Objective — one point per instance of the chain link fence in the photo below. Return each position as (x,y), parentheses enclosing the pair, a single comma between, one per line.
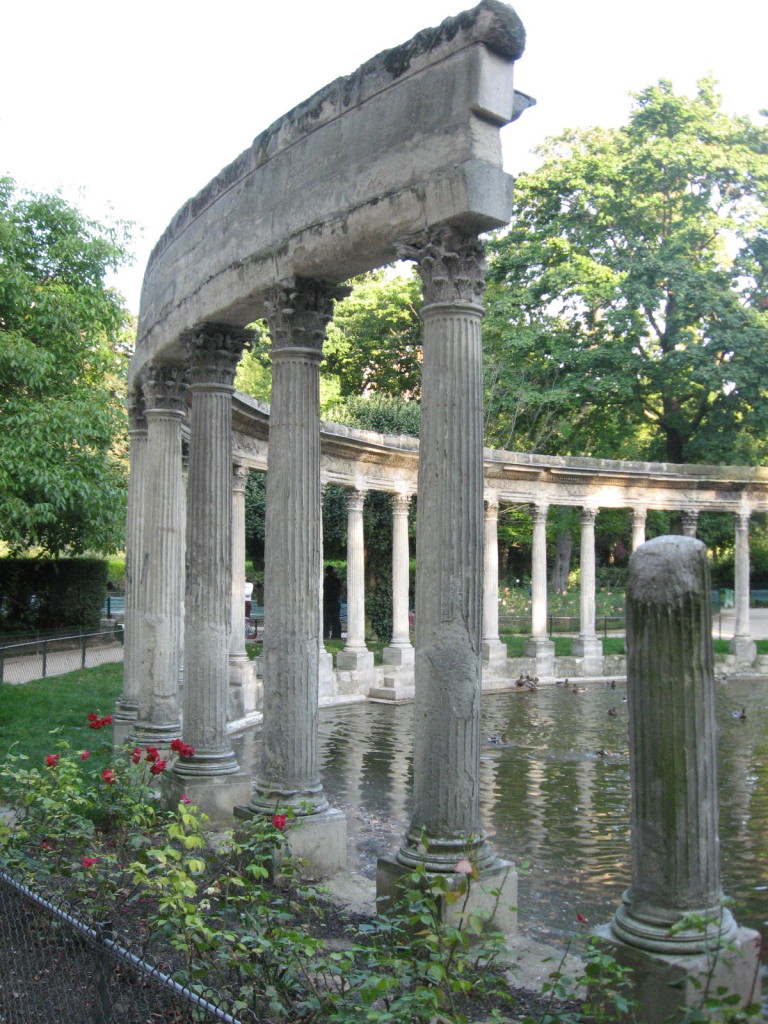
(55,966)
(24,660)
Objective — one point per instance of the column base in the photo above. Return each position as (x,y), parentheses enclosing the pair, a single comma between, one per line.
(317,841)
(395,688)
(215,795)
(147,734)
(355,661)
(494,655)
(492,896)
(399,655)
(542,649)
(242,686)
(663,983)
(123,723)
(326,679)
(744,648)
(590,650)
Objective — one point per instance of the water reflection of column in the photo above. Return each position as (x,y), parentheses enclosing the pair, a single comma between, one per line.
(241,689)
(588,645)
(400,650)
(673,764)
(742,644)
(355,654)
(689,519)
(639,516)
(538,645)
(494,651)
(326,688)
(127,704)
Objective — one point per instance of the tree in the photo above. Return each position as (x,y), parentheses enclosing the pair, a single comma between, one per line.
(63,356)
(627,304)
(373,343)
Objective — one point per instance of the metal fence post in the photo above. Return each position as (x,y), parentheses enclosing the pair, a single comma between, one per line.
(102,1007)
(85,645)
(45,658)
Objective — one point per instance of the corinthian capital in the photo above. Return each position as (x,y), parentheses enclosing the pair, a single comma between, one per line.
(298,314)
(214,350)
(451,265)
(166,387)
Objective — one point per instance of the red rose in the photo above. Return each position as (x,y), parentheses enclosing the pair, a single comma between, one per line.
(176,745)
(51,760)
(85,755)
(136,754)
(152,754)
(158,767)
(88,862)
(279,821)
(109,776)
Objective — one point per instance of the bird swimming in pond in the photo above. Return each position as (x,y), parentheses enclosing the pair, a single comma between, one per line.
(578,689)
(612,712)
(739,714)
(500,741)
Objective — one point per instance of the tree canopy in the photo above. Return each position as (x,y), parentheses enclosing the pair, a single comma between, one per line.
(63,349)
(627,303)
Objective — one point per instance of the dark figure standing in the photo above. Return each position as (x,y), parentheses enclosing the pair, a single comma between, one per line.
(331,605)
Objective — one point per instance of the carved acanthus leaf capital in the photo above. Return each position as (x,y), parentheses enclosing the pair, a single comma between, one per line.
(355,501)
(299,313)
(239,477)
(214,350)
(137,419)
(166,387)
(451,265)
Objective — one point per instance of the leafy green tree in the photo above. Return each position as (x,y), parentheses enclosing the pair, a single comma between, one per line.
(64,344)
(627,304)
(373,343)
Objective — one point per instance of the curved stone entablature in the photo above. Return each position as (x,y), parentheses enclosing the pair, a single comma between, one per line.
(368,460)
(407,142)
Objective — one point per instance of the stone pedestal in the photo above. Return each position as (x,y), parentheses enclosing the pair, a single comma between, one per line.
(543,651)
(672,926)
(493,897)
(396,687)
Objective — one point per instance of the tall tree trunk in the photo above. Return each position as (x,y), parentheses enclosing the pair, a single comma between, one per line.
(562,563)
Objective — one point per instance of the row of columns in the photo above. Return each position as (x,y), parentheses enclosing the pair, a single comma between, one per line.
(173,579)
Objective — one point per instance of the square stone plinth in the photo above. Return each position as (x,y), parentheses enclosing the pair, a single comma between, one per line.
(215,795)
(664,983)
(493,896)
(542,650)
(398,655)
(318,842)
(355,661)
(399,687)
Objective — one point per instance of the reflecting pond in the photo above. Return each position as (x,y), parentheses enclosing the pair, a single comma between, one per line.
(554,797)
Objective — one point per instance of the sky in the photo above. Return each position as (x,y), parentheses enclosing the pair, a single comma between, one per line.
(131,108)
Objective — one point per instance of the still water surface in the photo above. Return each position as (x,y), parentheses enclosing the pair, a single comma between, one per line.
(555,797)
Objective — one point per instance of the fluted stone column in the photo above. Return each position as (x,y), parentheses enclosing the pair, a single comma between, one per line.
(494,651)
(159,713)
(242,689)
(212,778)
(355,655)
(673,768)
(639,517)
(742,644)
(446,821)
(538,645)
(400,649)
(588,645)
(127,705)
(689,519)
(288,775)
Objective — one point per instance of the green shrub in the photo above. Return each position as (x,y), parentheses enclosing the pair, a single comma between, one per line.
(47,594)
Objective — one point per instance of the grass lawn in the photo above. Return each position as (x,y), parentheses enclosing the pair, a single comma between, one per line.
(30,712)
